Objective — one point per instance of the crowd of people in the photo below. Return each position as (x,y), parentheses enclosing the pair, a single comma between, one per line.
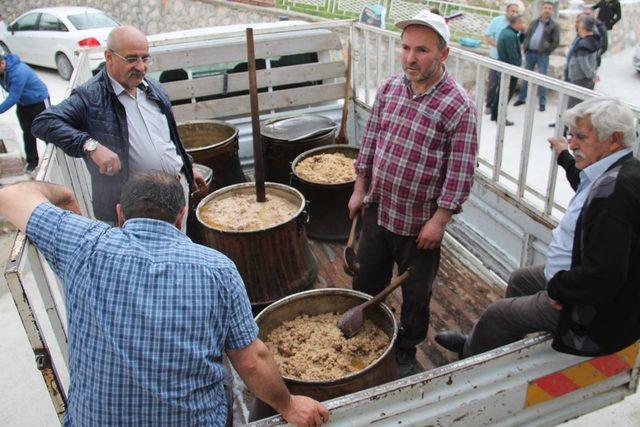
(150,314)
(539,40)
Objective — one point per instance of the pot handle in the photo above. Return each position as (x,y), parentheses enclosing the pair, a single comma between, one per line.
(303,218)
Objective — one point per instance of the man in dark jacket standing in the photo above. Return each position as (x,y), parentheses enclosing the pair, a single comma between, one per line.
(121,123)
(609,12)
(587,292)
(30,96)
(583,59)
(509,52)
(541,38)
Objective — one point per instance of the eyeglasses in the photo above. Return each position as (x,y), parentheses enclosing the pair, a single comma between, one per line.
(146,60)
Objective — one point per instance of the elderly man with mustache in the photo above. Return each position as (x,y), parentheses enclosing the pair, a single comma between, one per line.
(588,292)
(121,123)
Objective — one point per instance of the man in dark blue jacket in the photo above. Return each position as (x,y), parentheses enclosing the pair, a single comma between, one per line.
(121,123)
(30,96)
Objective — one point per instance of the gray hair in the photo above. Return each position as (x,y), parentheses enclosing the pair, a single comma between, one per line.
(152,194)
(588,22)
(513,20)
(510,5)
(607,115)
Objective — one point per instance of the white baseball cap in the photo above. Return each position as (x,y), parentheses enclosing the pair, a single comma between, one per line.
(428,19)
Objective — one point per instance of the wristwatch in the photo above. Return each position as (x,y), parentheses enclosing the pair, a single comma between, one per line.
(89,145)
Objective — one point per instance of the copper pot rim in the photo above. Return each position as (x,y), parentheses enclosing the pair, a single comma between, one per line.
(227,141)
(321,150)
(339,291)
(242,186)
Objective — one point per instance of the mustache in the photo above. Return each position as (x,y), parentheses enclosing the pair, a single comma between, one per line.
(135,73)
(578,153)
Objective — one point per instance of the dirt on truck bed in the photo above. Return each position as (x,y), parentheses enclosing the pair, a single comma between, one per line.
(460,295)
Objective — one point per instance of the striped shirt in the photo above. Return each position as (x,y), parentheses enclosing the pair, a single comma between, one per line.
(149,315)
(418,152)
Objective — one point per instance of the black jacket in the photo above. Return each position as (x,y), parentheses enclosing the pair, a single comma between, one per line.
(600,293)
(568,163)
(609,12)
(93,111)
(550,36)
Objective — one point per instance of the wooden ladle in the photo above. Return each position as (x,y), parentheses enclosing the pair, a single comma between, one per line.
(350,262)
(353,319)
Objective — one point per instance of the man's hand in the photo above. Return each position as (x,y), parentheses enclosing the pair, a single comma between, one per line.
(304,411)
(558,145)
(432,231)
(199,182)
(356,205)
(18,201)
(107,161)
(555,304)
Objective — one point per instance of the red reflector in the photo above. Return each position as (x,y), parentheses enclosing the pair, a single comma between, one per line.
(90,42)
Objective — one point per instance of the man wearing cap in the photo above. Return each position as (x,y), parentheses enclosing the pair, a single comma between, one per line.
(415,169)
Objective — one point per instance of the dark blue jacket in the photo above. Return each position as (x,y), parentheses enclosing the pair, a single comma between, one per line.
(94,111)
(23,85)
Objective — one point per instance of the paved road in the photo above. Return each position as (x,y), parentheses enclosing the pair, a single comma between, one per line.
(23,398)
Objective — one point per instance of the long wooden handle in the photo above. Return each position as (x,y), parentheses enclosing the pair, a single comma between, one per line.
(394,284)
(352,233)
(347,90)
(258,157)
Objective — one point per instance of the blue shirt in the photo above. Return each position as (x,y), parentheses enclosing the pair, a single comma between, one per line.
(498,24)
(536,38)
(149,315)
(560,248)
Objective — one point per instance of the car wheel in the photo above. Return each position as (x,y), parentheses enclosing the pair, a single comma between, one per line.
(65,69)
(4,49)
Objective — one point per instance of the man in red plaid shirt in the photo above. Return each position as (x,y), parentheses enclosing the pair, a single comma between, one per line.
(415,169)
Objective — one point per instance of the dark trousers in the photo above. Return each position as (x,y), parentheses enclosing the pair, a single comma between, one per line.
(525,309)
(492,88)
(379,248)
(513,81)
(26,115)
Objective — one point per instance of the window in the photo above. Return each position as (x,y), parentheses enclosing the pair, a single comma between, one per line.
(26,23)
(50,23)
(87,21)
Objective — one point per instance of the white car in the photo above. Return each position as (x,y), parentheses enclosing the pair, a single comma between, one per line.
(49,37)
(636,58)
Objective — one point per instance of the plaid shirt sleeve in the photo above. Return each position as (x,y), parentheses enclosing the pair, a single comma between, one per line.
(364,163)
(242,327)
(462,161)
(58,233)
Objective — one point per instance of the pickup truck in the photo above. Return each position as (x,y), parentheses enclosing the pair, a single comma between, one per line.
(516,199)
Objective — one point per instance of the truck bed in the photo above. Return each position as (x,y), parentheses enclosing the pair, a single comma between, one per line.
(460,295)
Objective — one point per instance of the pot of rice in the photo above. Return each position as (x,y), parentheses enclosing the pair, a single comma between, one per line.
(325,176)
(314,357)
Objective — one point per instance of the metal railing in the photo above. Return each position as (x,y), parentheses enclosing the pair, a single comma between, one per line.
(377,55)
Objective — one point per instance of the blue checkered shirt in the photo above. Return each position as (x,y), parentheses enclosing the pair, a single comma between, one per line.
(149,315)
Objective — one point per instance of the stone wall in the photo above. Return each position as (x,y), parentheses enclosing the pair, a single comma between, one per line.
(156,16)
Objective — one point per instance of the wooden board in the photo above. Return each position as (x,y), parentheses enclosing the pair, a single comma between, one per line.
(214,85)
(234,51)
(239,105)
(460,295)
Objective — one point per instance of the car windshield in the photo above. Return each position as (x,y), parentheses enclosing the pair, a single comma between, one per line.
(87,21)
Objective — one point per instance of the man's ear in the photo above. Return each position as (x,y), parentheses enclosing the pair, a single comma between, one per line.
(120,214)
(180,217)
(617,140)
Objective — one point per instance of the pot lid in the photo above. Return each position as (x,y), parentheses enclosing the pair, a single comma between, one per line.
(298,127)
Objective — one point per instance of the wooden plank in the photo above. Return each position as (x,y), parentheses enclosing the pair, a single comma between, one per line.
(239,105)
(236,50)
(214,85)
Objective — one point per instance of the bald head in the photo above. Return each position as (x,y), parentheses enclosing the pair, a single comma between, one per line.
(127,57)
(119,37)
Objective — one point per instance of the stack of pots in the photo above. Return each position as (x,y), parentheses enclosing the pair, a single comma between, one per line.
(284,139)
(274,262)
(328,212)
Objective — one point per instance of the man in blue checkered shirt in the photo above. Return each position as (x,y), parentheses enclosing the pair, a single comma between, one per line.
(149,312)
